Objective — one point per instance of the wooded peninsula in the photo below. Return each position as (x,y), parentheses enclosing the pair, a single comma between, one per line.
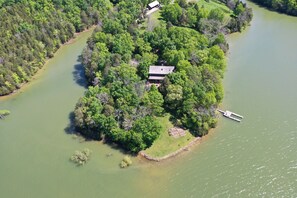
(122,104)
(150,66)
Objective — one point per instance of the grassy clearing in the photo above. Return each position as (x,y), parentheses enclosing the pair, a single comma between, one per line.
(166,144)
(152,21)
(213,4)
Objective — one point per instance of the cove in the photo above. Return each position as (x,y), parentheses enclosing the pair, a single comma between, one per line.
(255,158)
(35,146)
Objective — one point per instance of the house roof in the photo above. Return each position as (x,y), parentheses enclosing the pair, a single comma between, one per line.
(153,4)
(161,70)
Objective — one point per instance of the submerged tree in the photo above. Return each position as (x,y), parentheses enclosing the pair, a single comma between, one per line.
(81,157)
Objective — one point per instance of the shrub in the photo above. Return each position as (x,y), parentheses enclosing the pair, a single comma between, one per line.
(4,113)
(81,157)
(126,162)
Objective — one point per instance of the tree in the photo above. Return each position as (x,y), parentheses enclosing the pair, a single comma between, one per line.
(183,65)
(123,107)
(149,129)
(146,60)
(174,96)
(182,3)
(239,9)
(216,14)
(154,101)
(192,17)
(134,142)
(217,59)
(173,57)
(142,46)
(34,30)
(112,26)
(96,61)
(172,13)
(221,42)
(123,44)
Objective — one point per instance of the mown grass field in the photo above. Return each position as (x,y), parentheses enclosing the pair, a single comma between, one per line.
(166,144)
(213,4)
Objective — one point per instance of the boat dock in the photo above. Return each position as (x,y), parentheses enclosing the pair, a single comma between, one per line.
(231,115)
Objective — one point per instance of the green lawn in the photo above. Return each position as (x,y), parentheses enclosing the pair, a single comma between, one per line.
(213,4)
(166,144)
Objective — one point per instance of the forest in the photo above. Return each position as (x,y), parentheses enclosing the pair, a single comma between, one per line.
(32,31)
(285,6)
(120,107)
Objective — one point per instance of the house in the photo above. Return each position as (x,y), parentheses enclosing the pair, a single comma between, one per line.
(154,4)
(158,73)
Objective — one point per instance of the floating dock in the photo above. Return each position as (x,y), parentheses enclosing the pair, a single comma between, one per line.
(231,115)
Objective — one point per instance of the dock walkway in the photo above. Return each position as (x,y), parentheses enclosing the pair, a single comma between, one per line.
(231,115)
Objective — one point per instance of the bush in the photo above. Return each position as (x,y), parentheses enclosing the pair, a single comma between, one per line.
(81,157)
(126,162)
(4,113)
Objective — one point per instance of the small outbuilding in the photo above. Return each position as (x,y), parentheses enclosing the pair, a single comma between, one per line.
(158,73)
(154,4)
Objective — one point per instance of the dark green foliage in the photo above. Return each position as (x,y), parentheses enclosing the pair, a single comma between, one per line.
(120,106)
(153,99)
(242,17)
(32,31)
(143,133)
(192,93)
(285,6)
(89,117)
(172,13)
(208,22)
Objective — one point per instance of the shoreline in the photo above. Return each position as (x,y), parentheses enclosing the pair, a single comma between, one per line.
(25,85)
(191,144)
(170,155)
(180,151)
(72,40)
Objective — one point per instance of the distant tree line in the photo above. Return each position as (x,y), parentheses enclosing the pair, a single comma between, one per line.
(31,31)
(284,6)
(119,106)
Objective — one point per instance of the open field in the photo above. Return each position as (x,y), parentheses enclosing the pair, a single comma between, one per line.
(212,4)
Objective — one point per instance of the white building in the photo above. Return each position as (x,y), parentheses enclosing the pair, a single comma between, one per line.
(158,73)
(154,4)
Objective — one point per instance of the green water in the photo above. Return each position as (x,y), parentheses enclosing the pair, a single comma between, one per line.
(256,158)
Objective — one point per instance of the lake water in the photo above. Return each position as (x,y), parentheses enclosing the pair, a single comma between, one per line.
(255,158)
